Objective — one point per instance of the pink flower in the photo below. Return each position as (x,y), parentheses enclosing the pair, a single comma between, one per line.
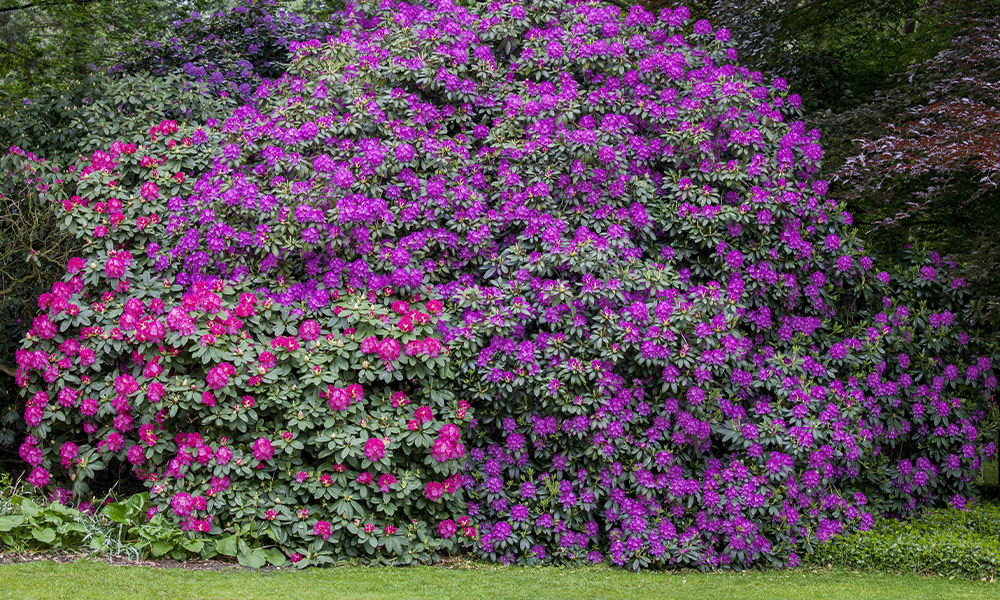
(389,529)
(43,327)
(155,391)
(87,357)
(117,262)
(136,456)
(31,453)
(445,449)
(434,491)
(447,528)
(126,385)
(369,345)
(322,529)
(267,360)
(270,515)
(39,477)
(262,449)
(115,442)
(219,484)
(309,331)
(424,414)
(432,346)
(385,481)
(75,265)
(182,504)
(146,434)
(374,449)
(338,399)
(33,415)
(218,376)
(389,349)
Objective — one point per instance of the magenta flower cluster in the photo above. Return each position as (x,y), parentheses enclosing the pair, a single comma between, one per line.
(543,281)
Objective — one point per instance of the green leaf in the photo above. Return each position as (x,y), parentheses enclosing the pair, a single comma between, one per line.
(117,512)
(8,522)
(29,508)
(254,559)
(227,546)
(161,547)
(275,557)
(46,535)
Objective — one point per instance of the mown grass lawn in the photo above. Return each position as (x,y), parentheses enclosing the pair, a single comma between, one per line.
(88,579)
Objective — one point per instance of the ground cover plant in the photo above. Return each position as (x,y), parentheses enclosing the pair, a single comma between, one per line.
(541,281)
(941,541)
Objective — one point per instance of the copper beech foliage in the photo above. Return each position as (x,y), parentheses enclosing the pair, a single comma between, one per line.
(924,164)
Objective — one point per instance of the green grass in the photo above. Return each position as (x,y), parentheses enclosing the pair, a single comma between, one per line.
(85,579)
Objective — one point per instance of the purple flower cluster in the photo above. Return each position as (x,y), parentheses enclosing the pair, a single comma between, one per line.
(607,240)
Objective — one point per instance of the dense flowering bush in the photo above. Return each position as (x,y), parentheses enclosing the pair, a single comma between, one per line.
(208,66)
(537,279)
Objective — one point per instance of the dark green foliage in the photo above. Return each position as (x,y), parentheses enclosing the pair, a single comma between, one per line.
(62,126)
(945,542)
(49,45)
(32,252)
(835,53)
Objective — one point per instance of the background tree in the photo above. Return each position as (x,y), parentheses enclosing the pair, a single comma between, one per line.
(918,162)
(49,44)
(834,53)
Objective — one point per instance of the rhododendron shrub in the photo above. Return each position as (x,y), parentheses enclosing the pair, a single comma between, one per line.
(594,230)
(228,405)
(206,67)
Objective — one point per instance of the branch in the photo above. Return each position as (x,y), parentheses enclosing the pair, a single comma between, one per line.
(7,371)
(52,4)
(13,8)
